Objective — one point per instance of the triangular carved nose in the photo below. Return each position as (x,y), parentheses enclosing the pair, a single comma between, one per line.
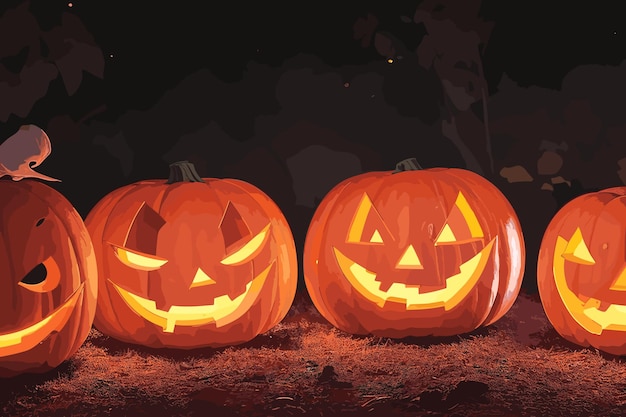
(201,278)
(409,259)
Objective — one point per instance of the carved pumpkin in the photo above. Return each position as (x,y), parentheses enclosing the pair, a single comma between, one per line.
(48,273)
(581,270)
(414,252)
(191,262)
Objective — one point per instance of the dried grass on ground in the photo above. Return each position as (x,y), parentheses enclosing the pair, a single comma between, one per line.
(304,367)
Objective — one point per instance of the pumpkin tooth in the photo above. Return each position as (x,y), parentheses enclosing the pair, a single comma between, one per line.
(610,319)
(592,303)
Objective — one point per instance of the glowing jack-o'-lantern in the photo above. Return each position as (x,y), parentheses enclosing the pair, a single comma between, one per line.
(48,273)
(581,270)
(191,262)
(414,252)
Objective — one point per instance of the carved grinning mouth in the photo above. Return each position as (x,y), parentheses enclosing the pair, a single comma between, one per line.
(457,286)
(25,339)
(586,313)
(223,311)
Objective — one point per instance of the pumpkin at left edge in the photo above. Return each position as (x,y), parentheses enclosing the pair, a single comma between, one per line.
(191,262)
(48,278)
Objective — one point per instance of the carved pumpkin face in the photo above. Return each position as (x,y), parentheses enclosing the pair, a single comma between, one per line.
(191,263)
(49,278)
(581,271)
(413,253)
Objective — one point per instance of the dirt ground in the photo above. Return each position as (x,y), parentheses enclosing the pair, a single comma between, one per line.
(519,366)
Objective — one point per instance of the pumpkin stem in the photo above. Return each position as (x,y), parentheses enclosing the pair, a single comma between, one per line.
(183,171)
(409,164)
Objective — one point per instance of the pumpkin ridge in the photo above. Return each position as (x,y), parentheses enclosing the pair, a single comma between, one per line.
(503,301)
(83,253)
(115,197)
(8,248)
(68,216)
(592,225)
(320,216)
(119,195)
(439,194)
(276,214)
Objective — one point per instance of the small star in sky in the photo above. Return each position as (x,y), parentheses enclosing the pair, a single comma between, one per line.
(70,4)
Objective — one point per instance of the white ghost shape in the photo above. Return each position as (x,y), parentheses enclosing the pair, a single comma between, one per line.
(26,149)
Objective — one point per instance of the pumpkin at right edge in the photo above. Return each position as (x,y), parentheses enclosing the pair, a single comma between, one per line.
(581,270)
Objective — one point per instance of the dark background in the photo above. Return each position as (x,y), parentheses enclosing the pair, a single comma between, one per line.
(296,96)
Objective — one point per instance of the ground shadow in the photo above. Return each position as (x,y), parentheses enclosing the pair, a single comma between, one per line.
(424,341)
(278,339)
(550,339)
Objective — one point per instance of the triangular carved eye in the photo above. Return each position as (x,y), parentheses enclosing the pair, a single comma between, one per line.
(376,237)
(139,249)
(140,261)
(367,225)
(249,250)
(461,225)
(143,231)
(577,250)
(234,228)
(240,243)
(44,277)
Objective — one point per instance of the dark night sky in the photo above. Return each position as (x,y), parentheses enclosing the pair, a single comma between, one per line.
(534,44)
(155,104)
(155,46)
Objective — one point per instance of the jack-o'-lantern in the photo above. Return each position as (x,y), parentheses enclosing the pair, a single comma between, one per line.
(581,270)
(48,273)
(414,252)
(191,262)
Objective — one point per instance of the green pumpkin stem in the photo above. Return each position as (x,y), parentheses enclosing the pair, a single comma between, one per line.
(183,171)
(409,164)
